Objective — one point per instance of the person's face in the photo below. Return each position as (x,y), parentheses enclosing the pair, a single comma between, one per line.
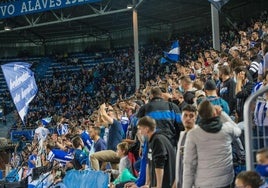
(207,54)
(254,35)
(82,143)
(92,133)
(54,137)
(185,85)
(209,60)
(119,152)
(110,110)
(188,119)
(261,159)
(214,54)
(143,131)
(244,49)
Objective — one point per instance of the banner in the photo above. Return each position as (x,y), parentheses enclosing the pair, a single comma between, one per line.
(22,7)
(21,84)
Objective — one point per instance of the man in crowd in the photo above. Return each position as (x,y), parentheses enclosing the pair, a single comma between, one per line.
(161,155)
(99,143)
(208,151)
(115,136)
(166,114)
(189,116)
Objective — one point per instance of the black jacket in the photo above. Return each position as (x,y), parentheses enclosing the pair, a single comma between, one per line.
(167,116)
(161,155)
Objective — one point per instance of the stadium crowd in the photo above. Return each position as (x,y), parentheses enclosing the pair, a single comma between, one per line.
(120,130)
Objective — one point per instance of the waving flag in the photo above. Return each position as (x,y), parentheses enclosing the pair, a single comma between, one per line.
(163,60)
(218,4)
(46,121)
(174,53)
(21,84)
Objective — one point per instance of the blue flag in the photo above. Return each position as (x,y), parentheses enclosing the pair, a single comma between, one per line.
(174,53)
(21,84)
(218,4)
(46,121)
(163,60)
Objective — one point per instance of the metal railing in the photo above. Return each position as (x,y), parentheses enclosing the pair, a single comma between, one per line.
(248,127)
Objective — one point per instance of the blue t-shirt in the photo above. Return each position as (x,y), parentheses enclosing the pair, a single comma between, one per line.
(115,136)
(81,157)
(100,145)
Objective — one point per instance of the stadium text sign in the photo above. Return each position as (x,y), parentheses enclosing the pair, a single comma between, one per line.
(23,7)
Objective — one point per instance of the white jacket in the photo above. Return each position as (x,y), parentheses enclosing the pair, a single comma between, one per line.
(208,159)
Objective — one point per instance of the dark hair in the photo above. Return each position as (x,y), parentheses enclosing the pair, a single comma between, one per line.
(190,108)
(205,109)
(225,70)
(239,69)
(156,92)
(251,178)
(146,121)
(76,141)
(265,45)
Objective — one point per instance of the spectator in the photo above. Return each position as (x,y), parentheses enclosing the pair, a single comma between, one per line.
(201,161)
(211,93)
(264,47)
(58,175)
(166,114)
(262,162)
(161,155)
(79,154)
(189,117)
(115,136)
(249,179)
(124,165)
(41,134)
(227,88)
(244,86)
(87,141)
(260,116)
(99,143)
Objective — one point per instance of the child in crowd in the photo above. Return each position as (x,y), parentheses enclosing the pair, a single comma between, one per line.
(125,172)
(248,179)
(262,163)
(79,154)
